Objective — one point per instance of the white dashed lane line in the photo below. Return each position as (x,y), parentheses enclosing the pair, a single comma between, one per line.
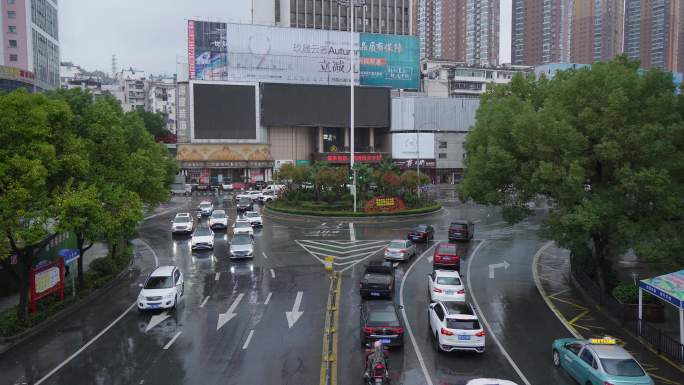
(205,301)
(218,275)
(272,273)
(249,338)
(268,298)
(168,345)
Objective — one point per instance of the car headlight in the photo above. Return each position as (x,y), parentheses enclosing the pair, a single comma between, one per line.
(141,297)
(169,296)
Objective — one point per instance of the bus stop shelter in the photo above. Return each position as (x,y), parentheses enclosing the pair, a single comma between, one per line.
(669,288)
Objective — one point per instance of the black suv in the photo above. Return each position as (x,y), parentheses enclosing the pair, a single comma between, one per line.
(461,231)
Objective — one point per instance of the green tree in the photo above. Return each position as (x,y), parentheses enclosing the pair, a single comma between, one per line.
(603,144)
(364,176)
(37,150)
(411,180)
(154,122)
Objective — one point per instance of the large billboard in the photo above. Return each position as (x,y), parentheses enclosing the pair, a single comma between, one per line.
(389,60)
(407,145)
(224,111)
(254,53)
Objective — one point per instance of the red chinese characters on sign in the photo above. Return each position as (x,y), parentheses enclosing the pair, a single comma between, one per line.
(359,157)
(191,48)
(384,204)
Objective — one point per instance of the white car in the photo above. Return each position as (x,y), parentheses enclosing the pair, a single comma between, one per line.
(206,207)
(226,186)
(242,226)
(455,326)
(218,220)
(242,246)
(161,289)
(182,223)
(446,286)
(251,194)
(489,381)
(253,217)
(267,197)
(202,238)
(401,250)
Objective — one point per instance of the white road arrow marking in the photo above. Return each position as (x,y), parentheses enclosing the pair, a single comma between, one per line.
(230,313)
(293,316)
(493,266)
(156,320)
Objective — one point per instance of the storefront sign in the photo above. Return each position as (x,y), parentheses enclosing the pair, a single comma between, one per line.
(373,157)
(384,204)
(411,163)
(14,73)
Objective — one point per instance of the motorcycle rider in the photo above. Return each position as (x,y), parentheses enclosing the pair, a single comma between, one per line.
(377,363)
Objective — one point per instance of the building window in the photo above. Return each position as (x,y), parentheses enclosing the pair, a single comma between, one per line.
(12,29)
(13,57)
(10,2)
(442,144)
(277,11)
(11,15)
(13,44)
(442,156)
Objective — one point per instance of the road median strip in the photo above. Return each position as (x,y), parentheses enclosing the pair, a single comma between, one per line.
(329,354)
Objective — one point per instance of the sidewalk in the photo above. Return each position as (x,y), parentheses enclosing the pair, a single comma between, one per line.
(98,250)
(551,268)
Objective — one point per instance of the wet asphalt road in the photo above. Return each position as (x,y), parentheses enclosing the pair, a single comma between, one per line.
(257,346)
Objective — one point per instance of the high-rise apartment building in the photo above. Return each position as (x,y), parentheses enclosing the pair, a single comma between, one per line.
(30,39)
(377,16)
(597,30)
(482,32)
(653,29)
(441,28)
(540,31)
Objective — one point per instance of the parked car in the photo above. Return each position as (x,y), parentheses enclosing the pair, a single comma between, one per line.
(242,246)
(446,256)
(380,322)
(182,223)
(422,233)
(161,289)
(253,217)
(461,231)
(242,226)
(202,238)
(455,326)
(245,204)
(598,361)
(445,286)
(218,220)
(377,281)
(401,250)
(206,207)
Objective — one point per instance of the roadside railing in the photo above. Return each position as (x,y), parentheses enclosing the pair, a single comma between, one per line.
(660,341)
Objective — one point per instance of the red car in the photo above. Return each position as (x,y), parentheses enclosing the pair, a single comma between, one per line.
(446,256)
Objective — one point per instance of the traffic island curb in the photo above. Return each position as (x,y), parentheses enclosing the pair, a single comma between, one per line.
(281,214)
(6,343)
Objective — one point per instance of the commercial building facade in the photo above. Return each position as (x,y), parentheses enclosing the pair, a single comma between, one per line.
(30,44)
(451,79)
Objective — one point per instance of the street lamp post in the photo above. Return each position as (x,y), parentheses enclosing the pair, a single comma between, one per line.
(351,5)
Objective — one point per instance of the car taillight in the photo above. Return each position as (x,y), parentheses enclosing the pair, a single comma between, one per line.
(369,330)
(438,258)
(607,383)
(379,370)
(398,330)
(447,332)
(437,290)
(402,251)
(461,291)
(422,233)
(481,333)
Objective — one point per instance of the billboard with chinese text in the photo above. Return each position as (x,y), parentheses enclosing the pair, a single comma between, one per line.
(207,49)
(389,61)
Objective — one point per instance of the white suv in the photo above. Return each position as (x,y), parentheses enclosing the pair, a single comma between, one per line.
(218,220)
(202,238)
(456,327)
(206,208)
(161,289)
(446,286)
(182,223)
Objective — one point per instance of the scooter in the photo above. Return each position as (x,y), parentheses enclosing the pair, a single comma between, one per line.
(377,367)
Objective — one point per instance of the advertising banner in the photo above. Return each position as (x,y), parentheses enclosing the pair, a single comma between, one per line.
(255,53)
(389,61)
(207,49)
(405,146)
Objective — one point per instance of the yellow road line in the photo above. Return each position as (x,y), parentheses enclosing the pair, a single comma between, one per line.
(580,315)
(326,327)
(579,307)
(333,368)
(558,293)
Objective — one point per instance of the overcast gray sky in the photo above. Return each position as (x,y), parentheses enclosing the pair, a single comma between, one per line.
(144,34)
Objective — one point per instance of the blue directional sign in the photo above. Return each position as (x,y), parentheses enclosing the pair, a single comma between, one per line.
(69,255)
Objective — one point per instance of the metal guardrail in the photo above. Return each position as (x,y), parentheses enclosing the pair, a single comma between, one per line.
(660,341)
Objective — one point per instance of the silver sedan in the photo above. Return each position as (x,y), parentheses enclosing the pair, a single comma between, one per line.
(400,250)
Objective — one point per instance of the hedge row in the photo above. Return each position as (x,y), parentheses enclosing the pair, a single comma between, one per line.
(298,211)
(102,271)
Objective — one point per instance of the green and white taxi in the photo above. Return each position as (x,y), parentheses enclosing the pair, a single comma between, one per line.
(598,361)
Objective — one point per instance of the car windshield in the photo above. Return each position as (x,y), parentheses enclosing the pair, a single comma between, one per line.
(218,215)
(420,228)
(182,219)
(252,215)
(245,200)
(462,324)
(622,367)
(448,281)
(458,226)
(388,318)
(202,232)
(205,205)
(447,249)
(242,224)
(397,245)
(241,240)
(159,283)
